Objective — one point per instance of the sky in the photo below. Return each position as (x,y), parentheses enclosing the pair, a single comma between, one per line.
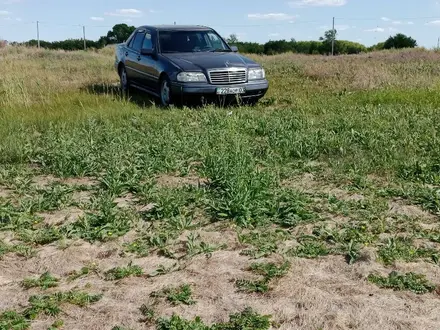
(364,21)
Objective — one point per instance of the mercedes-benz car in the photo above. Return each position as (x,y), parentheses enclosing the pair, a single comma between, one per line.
(175,63)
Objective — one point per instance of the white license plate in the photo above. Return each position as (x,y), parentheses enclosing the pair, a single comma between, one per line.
(230,90)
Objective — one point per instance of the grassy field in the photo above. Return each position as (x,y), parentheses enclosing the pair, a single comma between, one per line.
(316,209)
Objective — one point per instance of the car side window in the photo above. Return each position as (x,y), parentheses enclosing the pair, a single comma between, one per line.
(215,41)
(130,43)
(148,41)
(138,40)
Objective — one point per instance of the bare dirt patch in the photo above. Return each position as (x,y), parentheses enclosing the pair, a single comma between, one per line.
(42,181)
(88,182)
(126,201)
(309,184)
(62,217)
(398,207)
(5,192)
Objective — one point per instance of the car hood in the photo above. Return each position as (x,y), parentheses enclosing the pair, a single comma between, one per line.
(205,61)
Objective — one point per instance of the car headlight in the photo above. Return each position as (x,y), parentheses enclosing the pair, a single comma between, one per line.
(191,77)
(256,74)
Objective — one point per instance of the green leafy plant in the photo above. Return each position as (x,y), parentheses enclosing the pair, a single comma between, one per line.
(176,295)
(118,273)
(310,249)
(269,271)
(13,320)
(245,320)
(50,304)
(416,283)
(402,249)
(45,281)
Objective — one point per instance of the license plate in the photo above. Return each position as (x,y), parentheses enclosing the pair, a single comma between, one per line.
(230,90)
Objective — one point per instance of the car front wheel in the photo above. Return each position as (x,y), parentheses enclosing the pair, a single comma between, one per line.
(165,92)
(123,80)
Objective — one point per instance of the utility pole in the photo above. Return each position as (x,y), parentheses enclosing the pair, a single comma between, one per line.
(333,37)
(174,23)
(438,43)
(38,34)
(84,35)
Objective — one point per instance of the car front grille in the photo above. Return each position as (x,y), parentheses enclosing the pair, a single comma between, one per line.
(227,76)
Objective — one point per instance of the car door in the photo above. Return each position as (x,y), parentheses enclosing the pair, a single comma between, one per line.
(149,65)
(133,57)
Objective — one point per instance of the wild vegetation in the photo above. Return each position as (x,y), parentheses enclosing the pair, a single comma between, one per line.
(316,209)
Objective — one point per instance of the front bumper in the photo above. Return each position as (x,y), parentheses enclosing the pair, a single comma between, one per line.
(254,89)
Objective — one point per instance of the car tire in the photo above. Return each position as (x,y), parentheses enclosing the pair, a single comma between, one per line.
(123,81)
(165,94)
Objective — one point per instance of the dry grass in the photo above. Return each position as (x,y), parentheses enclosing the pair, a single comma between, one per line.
(328,172)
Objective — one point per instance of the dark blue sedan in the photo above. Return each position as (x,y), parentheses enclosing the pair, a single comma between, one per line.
(176,63)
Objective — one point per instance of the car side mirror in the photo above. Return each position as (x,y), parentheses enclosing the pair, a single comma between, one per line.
(234,49)
(147,51)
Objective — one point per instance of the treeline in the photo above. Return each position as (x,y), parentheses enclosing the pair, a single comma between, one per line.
(69,44)
(302,47)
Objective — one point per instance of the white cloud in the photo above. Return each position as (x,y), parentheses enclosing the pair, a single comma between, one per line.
(274,16)
(127,20)
(434,23)
(125,13)
(396,22)
(4,13)
(318,3)
(378,29)
(10,2)
(410,23)
(93,18)
(385,19)
(276,34)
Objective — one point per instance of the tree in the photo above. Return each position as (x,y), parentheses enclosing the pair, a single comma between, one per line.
(400,41)
(329,37)
(119,33)
(232,39)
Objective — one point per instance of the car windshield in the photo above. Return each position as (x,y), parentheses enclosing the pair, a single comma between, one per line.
(191,41)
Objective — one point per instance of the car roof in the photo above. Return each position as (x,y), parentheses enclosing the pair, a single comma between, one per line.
(176,27)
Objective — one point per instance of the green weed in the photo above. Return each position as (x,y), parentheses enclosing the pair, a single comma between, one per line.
(409,281)
(107,223)
(245,320)
(269,271)
(195,247)
(13,320)
(20,250)
(401,248)
(148,313)
(74,275)
(264,242)
(50,304)
(310,249)
(119,273)
(45,281)
(177,295)
(58,324)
